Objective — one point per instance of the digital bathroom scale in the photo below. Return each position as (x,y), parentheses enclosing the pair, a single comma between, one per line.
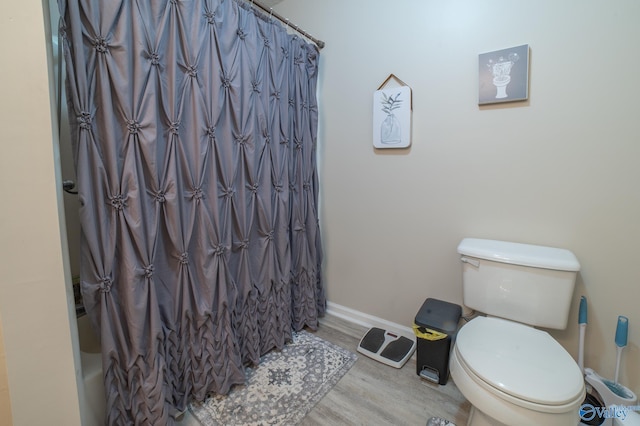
(386,347)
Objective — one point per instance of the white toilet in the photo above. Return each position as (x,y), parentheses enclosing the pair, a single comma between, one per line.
(512,373)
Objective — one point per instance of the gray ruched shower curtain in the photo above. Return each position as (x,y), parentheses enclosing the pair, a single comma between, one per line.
(194,129)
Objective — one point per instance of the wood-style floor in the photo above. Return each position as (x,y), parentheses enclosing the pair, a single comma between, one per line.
(372,393)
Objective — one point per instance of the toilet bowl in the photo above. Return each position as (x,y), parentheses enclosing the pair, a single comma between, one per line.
(514,374)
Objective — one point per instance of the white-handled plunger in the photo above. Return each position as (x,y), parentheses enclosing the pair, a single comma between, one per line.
(622,331)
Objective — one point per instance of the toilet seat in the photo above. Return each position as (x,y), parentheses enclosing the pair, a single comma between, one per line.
(525,363)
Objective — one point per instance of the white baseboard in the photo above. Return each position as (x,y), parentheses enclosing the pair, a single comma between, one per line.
(368,321)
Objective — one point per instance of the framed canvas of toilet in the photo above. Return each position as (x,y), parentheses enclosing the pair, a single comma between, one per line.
(503,75)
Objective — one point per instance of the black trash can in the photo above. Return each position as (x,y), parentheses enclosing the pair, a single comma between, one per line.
(436,325)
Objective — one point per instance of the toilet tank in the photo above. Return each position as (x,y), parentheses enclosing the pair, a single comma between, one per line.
(521,282)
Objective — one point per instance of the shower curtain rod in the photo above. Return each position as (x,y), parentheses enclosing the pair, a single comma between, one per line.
(285,21)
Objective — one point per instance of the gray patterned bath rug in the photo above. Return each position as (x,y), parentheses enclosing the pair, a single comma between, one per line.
(438,421)
(283,388)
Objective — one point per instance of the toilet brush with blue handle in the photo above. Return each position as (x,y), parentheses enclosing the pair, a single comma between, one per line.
(622,331)
(582,320)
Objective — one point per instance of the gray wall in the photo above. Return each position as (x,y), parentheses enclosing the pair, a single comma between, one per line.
(560,169)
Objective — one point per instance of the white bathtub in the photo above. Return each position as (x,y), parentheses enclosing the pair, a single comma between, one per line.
(91,359)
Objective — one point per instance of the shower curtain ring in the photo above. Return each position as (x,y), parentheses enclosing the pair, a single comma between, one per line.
(270,13)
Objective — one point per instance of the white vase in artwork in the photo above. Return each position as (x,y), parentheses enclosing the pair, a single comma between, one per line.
(390,131)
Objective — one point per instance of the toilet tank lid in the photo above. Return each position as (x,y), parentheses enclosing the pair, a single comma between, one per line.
(520,254)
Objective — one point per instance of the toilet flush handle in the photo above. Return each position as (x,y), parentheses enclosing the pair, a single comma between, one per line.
(470,261)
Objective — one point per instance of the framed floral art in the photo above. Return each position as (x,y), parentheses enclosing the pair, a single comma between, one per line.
(392,117)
